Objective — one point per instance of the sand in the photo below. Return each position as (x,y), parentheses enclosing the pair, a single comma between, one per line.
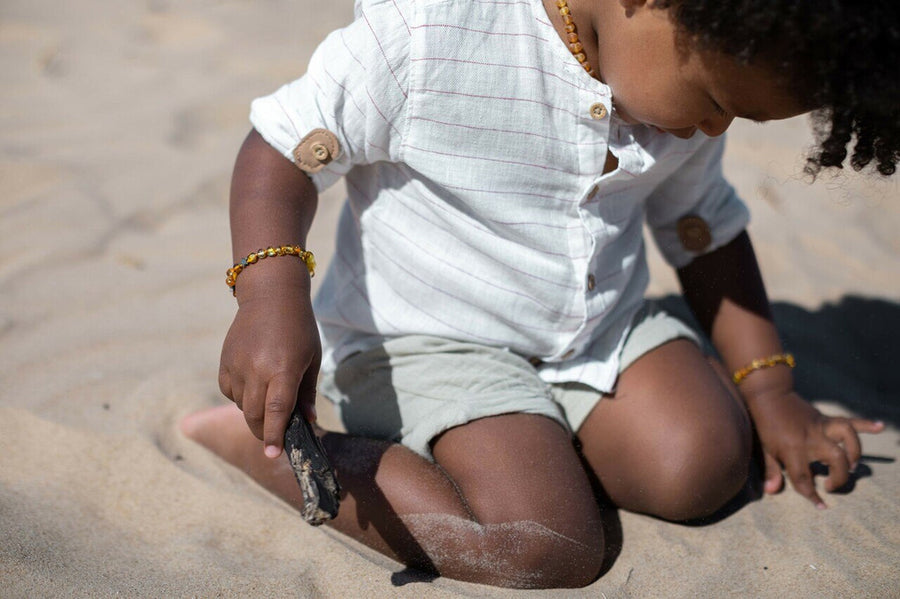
(120,123)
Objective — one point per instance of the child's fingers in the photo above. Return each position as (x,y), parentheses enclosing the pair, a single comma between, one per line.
(801,478)
(835,457)
(842,431)
(773,480)
(280,399)
(862,425)
(225,383)
(237,391)
(252,404)
(307,394)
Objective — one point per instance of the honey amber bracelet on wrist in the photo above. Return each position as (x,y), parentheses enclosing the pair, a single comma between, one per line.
(232,273)
(760,363)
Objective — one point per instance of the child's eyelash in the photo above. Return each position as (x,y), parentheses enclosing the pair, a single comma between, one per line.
(719,110)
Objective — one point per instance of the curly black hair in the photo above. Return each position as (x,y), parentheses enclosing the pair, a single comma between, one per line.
(839,56)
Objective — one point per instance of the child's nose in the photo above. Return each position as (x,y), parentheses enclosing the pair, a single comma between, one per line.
(716,126)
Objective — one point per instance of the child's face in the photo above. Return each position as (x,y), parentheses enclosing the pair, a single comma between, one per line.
(679,90)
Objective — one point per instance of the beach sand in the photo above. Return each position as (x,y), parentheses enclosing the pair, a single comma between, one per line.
(120,125)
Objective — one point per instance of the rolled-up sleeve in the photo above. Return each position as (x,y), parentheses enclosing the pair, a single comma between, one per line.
(698,188)
(356,87)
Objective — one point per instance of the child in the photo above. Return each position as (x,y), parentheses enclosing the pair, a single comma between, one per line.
(485,335)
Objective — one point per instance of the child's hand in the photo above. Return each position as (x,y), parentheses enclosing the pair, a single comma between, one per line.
(794,434)
(270,360)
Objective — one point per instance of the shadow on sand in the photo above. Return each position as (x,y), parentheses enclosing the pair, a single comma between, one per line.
(846,352)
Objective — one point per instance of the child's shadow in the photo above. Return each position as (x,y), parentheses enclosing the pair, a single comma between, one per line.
(845,354)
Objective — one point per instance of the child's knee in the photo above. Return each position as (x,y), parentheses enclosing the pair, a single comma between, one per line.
(542,558)
(518,554)
(570,563)
(702,467)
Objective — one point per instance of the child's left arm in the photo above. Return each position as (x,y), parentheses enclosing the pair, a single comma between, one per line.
(725,291)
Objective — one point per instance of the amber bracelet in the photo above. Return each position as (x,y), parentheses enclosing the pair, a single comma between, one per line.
(760,363)
(232,273)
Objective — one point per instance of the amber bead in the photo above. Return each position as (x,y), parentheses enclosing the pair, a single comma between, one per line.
(231,275)
(575,45)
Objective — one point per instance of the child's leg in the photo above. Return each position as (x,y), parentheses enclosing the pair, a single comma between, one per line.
(507,504)
(673,441)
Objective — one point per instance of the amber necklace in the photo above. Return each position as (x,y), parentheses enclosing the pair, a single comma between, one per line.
(575,45)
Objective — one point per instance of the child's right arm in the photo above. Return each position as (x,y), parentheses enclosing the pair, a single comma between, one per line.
(270,358)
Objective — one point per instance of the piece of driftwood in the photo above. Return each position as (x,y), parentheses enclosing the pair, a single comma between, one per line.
(321,492)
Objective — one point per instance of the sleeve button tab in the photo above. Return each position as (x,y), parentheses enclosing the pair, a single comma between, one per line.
(319,148)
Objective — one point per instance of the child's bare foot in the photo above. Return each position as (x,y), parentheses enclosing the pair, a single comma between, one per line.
(223,431)
(215,427)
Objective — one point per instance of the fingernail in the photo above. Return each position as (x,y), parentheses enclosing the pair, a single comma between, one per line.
(272,451)
(821,506)
(315,413)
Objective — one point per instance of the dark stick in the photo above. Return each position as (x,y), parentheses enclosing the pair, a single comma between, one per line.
(321,491)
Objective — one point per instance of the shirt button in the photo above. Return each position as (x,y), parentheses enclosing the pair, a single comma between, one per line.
(694,233)
(320,152)
(598,111)
(591,282)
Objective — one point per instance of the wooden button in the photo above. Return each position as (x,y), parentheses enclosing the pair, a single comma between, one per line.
(316,150)
(598,111)
(320,152)
(694,233)
(591,282)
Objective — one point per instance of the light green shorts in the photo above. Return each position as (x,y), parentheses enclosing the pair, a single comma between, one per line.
(411,389)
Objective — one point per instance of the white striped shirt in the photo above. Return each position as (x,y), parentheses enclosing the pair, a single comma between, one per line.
(478,209)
